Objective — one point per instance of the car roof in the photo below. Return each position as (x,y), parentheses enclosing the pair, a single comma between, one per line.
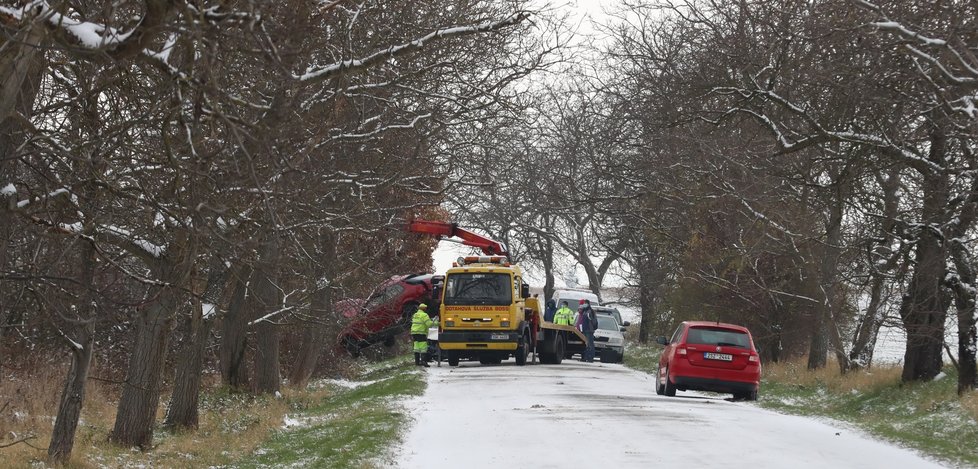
(416,279)
(716,324)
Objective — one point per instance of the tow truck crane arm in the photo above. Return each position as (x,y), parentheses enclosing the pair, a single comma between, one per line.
(441,230)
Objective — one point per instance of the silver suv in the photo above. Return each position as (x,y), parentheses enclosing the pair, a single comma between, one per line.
(609,342)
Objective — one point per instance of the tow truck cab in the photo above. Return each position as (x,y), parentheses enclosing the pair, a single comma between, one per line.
(486,312)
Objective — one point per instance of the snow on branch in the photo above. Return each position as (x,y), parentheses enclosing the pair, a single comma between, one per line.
(50,195)
(383,55)
(819,134)
(377,131)
(147,247)
(966,66)
(268,316)
(75,345)
(90,35)
(96,36)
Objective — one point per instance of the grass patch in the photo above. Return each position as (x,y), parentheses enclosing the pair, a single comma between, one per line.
(643,357)
(351,428)
(334,423)
(928,417)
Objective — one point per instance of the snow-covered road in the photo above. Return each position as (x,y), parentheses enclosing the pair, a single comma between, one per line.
(605,416)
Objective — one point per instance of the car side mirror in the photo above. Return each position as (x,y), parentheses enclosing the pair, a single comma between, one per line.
(661,340)
(626,324)
(525,291)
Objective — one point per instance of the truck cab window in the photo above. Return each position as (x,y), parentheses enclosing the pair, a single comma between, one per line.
(478,289)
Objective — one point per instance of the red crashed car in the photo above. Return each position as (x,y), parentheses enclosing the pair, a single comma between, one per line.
(709,356)
(387,312)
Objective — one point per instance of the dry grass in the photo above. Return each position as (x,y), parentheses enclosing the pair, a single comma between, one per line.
(796,372)
(969,402)
(231,425)
(29,394)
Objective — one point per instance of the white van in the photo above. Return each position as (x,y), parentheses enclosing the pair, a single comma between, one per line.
(573,297)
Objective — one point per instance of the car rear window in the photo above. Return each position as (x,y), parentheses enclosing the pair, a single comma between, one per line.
(717,336)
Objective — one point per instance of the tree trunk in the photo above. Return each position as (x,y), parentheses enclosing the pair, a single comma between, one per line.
(320,309)
(140,398)
(647,303)
(547,258)
(183,410)
(22,66)
(266,299)
(234,332)
(829,273)
(593,279)
(925,305)
(72,397)
(964,300)
(21,63)
(141,390)
(73,394)
(864,342)
(818,348)
(651,276)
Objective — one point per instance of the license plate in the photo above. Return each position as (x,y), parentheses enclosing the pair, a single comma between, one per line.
(718,356)
(498,336)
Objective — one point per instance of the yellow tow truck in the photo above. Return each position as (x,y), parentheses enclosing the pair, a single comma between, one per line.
(486,310)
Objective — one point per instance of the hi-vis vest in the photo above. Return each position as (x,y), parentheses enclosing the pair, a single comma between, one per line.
(420,323)
(564,316)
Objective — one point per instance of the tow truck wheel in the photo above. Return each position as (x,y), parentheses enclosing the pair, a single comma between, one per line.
(521,350)
(559,349)
(452,359)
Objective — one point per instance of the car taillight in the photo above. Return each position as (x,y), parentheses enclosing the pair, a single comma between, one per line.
(754,359)
(681,352)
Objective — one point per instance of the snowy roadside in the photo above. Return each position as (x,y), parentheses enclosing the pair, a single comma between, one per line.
(608,415)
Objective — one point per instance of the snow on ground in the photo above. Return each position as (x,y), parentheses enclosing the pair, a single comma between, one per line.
(604,415)
(345,383)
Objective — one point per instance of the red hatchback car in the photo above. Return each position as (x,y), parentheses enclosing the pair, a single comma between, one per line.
(386,313)
(709,356)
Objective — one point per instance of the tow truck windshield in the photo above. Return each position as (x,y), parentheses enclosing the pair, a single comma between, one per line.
(478,289)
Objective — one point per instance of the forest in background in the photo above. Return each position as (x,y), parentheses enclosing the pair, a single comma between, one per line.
(189,187)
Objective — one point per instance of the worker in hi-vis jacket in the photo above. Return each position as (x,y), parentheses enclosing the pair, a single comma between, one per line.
(564,316)
(420,323)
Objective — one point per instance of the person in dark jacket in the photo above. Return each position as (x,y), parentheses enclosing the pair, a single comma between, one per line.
(589,323)
(549,311)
